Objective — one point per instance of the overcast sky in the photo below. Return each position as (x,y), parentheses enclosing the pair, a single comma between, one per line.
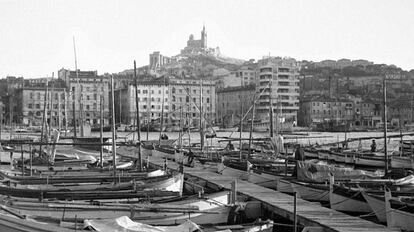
(36,36)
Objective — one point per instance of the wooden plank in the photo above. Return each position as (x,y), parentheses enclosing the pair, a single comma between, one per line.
(309,214)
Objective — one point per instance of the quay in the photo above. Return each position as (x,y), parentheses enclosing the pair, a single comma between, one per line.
(309,214)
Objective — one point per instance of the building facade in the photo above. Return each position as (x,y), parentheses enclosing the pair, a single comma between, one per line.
(322,109)
(181,95)
(278,82)
(231,101)
(355,113)
(85,89)
(31,105)
(157,60)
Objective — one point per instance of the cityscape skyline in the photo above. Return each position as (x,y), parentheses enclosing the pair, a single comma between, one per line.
(37,37)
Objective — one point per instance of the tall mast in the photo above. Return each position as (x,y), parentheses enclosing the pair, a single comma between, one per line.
(241,127)
(101,130)
(162,109)
(74,113)
(181,126)
(138,119)
(120,108)
(59,113)
(148,111)
(384,92)
(65,110)
(51,105)
(80,93)
(251,129)
(43,117)
(201,116)
(271,109)
(113,125)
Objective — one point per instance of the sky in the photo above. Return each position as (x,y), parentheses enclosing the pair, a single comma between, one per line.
(36,36)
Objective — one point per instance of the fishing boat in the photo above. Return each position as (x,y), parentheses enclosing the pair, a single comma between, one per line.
(228,129)
(97,128)
(209,209)
(405,162)
(91,143)
(372,159)
(165,185)
(164,151)
(319,172)
(261,178)
(342,156)
(311,191)
(311,153)
(84,177)
(399,214)
(347,200)
(323,154)
(122,223)
(377,204)
(284,185)
(355,195)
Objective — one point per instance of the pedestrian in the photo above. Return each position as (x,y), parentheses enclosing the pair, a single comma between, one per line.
(373,146)
(190,157)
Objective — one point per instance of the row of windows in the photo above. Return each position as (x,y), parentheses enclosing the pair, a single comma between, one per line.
(37,106)
(173,90)
(145,91)
(333,104)
(145,99)
(40,96)
(87,88)
(187,99)
(158,107)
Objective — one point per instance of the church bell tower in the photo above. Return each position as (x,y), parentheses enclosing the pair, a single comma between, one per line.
(204,37)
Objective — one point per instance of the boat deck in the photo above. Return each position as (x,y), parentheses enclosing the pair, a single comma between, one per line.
(308,213)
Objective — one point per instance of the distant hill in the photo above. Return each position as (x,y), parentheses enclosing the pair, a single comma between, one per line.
(212,61)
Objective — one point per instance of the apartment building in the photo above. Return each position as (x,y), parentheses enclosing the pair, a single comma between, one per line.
(181,95)
(231,101)
(278,82)
(30,103)
(85,89)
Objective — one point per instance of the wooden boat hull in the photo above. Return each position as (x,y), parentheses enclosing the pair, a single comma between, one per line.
(262,179)
(311,154)
(310,192)
(402,162)
(89,140)
(399,219)
(367,161)
(211,209)
(172,184)
(339,157)
(323,155)
(341,201)
(284,186)
(163,152)
(377,205)
(59,179)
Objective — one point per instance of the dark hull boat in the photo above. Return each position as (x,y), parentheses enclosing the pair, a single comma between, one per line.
(159,186)
(89,142)
(97,128)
